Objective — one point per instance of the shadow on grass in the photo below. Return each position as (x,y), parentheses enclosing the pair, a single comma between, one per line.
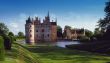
(57,53)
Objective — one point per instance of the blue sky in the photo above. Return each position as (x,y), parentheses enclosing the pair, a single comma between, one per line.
(76,13)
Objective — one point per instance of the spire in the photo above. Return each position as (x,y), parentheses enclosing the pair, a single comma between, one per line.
(29,18)
(56,20)
(47,18)
(48,14)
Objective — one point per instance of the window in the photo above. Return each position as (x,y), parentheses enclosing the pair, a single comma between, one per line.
(48,35)
(30,25)
(30,30)
(37,35)
(36,30)
(30,35)
(42,30)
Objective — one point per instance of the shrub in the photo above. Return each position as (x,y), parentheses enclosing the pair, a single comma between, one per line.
(84,39)
(7,42)
(12,39)
(2,51)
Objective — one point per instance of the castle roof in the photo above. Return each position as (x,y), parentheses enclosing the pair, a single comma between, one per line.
(53,23)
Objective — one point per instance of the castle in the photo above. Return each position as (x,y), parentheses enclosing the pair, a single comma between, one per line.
(74,34)
(37,31)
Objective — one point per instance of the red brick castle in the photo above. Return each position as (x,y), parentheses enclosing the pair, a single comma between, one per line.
(40,32)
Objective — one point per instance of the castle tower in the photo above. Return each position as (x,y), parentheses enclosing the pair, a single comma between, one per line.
(37,31)
(29,31)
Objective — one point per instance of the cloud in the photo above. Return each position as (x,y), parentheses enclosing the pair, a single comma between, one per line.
(76,20)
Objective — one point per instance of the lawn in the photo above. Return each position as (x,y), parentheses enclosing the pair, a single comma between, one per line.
(53,54)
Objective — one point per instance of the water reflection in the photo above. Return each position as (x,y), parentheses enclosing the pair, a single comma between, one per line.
(64,43)
(59,43)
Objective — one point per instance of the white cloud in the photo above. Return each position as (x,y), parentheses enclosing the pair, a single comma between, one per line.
(75,20)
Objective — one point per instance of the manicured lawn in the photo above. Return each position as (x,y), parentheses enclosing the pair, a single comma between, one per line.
(52,54)
(10,60)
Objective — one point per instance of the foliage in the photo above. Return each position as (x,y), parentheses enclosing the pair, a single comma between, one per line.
(20,35)
(3,29)
(2,50)
(104,24)
(98,34)
(7,42)
(59,31)
(84,39)
(88,33)
(10,34)
(64,33)
(68,27)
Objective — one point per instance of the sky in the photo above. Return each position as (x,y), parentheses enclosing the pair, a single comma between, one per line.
(75,13)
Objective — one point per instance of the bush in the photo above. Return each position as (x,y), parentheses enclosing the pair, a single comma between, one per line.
(84,39)
(2,51)
(12,39)
(7,42)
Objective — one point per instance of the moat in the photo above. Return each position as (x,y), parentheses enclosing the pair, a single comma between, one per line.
(58,43)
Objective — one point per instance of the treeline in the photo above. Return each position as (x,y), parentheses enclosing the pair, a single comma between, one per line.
(89,35)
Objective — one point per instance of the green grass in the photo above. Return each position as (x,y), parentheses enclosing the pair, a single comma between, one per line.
(52,54)
(18,54)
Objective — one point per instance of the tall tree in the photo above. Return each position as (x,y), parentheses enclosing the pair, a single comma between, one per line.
(59,31)
(104,24)
(88,33)
(3,29)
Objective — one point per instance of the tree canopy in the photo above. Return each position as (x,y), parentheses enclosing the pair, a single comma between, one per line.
(10,34)
(105,22)
(3,29)
(21,35)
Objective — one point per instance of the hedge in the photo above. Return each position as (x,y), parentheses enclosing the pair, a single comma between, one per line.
(2,50)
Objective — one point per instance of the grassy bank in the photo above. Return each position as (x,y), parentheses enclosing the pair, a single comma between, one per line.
(19,54)
(52,54)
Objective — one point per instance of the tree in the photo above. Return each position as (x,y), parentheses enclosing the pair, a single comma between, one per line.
(88,33)
(10,34)
(68,27)
(3,29)
(2,50)
(20,34)
(65,33)
(7,42)
(104,24)
(59,31)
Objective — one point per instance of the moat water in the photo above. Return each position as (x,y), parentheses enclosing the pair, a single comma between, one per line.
(58,43)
